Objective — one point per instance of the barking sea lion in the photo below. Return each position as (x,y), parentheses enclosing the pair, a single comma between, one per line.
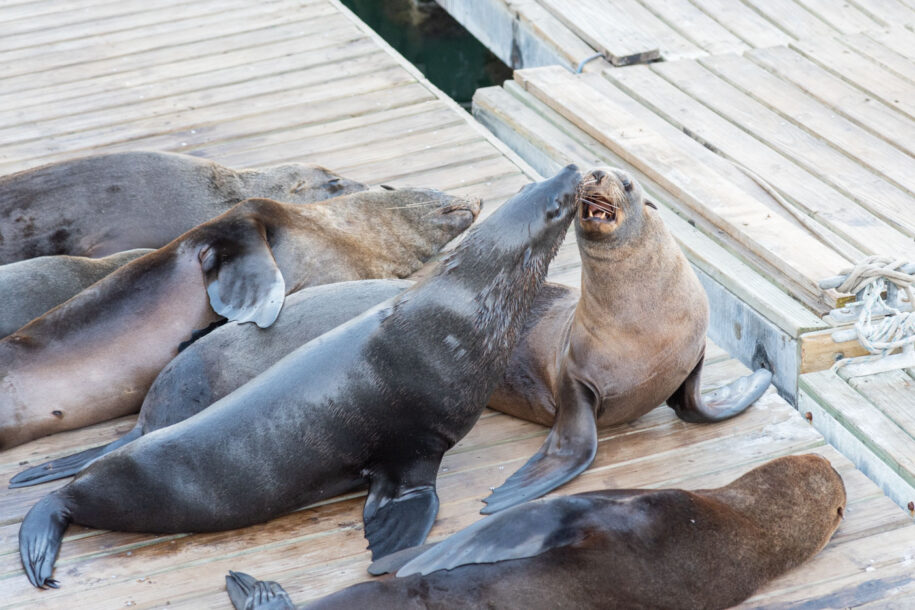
(96,206)
(376,401)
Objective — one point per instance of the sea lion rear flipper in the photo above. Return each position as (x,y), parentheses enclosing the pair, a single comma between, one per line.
(248,593)
(399,512)
(69,465)
(243,280)
(522,531)
(726,402)
(39,539)
(568,450)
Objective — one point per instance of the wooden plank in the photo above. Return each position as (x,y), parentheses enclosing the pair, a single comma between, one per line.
(809,114)
(745,23)
(888,59)
(792,18)
(819,351)
(676,169)
(875,430)
(606,28)
(899,40)
(881,120)
(694,25)
(829,165)
(860,72)
(892,392)
(888,12)
(843,16)
(672,44)
(865,232)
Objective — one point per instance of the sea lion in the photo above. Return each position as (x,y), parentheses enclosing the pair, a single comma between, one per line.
(99,205)
(631,338)
(31,287)
(230,356)
(93,357)
(376,401)
(666,548)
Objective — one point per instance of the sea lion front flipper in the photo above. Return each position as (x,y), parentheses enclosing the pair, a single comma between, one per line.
(395,561)
(248,593)
(243,280)
(522,531)
(399,512)
(568,450)
(726,402)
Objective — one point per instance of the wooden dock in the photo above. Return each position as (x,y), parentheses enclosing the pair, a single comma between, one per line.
(254,84)
(534,33)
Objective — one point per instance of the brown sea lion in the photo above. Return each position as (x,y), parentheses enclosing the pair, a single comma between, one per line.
(31,287)
(630,339)
(648,549)
(375,402)
(99,205)
(93,357)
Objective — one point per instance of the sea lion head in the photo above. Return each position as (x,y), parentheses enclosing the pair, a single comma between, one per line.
(798,501)
(612,209)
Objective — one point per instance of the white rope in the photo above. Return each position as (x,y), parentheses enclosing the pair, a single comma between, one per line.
(897,328)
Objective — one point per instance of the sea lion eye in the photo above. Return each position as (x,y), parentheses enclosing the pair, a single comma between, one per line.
(627,184)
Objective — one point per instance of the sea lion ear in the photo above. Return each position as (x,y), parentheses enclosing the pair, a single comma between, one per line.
(650,204)
(243,281)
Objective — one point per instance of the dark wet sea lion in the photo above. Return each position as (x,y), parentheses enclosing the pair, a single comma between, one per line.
(644,549)
(31,287)
(376,401)
(225,359)
(630,339)
(94,357)
(99,205)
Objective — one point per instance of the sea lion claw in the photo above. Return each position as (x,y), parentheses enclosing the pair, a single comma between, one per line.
(568,450)
(248,593)
(397,522)
(725,402)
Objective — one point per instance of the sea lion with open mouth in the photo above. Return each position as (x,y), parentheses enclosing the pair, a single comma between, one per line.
(664,548)
(630,339)
(94,357)
(376,402)
(102,204)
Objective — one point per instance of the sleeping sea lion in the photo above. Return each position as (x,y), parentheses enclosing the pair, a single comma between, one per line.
(657,549)
(99,205)
(631,338)
(230,356)
(376,401)
(31,287)
(93,357)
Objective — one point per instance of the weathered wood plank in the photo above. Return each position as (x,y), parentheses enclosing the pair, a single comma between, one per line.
(819,351)
(693,24)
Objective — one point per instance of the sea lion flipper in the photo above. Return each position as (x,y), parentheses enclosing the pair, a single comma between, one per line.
(568,450)
(522,531)
(69,465)
(243,280)
(400,510)
(248,593)
(395,561)
(40,536)
(726,402)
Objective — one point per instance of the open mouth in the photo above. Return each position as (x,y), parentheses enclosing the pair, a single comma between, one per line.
(597,208)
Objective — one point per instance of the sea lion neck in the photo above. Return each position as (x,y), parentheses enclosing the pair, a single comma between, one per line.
(613,276)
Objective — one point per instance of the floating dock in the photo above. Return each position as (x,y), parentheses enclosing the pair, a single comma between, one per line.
(258,84)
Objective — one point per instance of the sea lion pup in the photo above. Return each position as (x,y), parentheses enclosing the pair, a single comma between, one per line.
(99,205)
(233,354)
(631,338)
(377,401)
(668,548)
(31,287)
(94,357)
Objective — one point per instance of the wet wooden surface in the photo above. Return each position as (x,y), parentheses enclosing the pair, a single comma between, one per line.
(264,83)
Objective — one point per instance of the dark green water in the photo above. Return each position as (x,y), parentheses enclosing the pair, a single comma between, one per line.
(449,56)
